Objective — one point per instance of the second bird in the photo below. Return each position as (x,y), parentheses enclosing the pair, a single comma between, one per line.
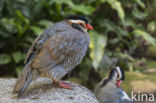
(109,91)
(55,52)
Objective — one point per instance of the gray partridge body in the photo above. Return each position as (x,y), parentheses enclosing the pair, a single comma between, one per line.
(54,53)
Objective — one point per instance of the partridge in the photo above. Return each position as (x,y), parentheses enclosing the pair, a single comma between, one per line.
(55,52)
(109,91)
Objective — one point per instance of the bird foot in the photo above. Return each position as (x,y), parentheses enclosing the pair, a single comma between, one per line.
(66,85)
(63,84)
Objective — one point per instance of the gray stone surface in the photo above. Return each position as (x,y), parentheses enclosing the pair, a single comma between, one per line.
(42,91)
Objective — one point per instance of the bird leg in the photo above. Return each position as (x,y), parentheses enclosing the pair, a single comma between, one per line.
(63,84)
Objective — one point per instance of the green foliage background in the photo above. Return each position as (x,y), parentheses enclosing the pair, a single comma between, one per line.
(124,34)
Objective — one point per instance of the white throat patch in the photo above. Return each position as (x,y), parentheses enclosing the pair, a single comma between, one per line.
(119,71)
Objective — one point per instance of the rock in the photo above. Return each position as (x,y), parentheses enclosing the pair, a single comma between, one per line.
(42,91)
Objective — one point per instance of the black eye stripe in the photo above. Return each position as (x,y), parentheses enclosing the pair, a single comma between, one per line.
(76,26)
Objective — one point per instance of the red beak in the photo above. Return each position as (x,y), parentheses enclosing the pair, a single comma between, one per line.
(88,26)
(118,83)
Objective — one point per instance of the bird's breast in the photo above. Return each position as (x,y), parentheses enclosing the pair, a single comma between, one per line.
(78,51)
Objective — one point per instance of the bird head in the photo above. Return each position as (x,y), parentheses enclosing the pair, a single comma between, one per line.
(117,74)
(79,22)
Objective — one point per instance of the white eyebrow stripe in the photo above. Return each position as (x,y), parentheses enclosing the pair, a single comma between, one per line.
(119,71)
(77,21)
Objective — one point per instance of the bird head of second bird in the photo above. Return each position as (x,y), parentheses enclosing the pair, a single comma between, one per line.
(79,22)
(117,75)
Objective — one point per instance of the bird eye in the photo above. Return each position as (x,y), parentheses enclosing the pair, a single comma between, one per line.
(81,25)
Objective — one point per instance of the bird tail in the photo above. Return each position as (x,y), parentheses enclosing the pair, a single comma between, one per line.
(23,81)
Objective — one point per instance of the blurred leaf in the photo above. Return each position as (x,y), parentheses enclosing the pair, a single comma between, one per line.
(140,3)
(45,23)
(17,56)
(121,31)
(10,7)
(38,8)
(1,5)
(103,1)
(21,16)
(36,30)
(9,24)
(129,22)
(4,33)
(151,27)
(4,59)
(138,14)
(29,39)
(27,12)
(68,2)
(146,36)
(97,45)
(110,26)
(6,21)
(19,70)
(87,10)
(19,28)
(126,56)
(117,6)
(85,69)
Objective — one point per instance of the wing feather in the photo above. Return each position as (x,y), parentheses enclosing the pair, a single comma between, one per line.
(67,47)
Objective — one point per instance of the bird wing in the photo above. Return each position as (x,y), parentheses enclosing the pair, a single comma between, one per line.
(67,48)
(41,39)
(31,50)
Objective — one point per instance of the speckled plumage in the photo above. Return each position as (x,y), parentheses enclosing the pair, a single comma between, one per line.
(53,54)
